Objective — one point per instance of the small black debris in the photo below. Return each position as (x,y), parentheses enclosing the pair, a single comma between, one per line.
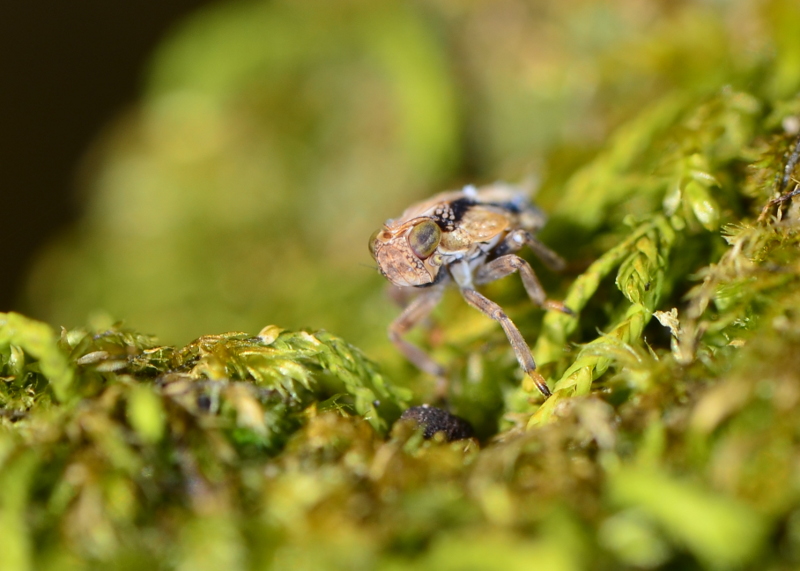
(204,402)
(438,420)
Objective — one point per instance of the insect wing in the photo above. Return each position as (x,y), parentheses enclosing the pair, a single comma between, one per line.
(482,224)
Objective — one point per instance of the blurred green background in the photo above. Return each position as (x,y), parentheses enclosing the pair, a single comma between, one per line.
(272,137)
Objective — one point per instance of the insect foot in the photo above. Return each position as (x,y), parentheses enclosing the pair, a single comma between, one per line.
(464,238)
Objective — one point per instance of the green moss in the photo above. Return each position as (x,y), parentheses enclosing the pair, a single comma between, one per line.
(671,440)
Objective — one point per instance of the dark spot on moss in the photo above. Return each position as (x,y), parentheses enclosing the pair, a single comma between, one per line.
(204,402)
(438,420)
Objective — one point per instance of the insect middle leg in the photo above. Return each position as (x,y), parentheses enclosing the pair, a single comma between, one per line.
(521,349)
(419,308)
(510,263)
(519,238)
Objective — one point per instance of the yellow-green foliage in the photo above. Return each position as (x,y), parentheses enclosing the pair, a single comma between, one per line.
(111,434)
(662,132)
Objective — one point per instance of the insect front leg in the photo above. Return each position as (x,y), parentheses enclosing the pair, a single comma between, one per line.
(521,349)
(419,308)
(510,263)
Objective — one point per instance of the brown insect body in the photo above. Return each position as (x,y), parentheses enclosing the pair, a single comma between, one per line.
(468,237)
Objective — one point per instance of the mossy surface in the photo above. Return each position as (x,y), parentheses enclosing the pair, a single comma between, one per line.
(671,440)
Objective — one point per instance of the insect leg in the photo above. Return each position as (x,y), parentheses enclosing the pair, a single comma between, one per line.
(518,238)
(510,263)
(545,254)
(521,349)
(415,312)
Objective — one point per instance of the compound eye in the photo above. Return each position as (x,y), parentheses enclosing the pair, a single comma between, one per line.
(372,240)
(424,238)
